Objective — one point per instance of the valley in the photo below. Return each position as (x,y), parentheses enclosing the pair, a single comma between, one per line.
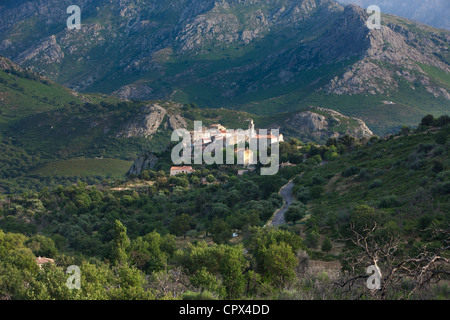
(88,181)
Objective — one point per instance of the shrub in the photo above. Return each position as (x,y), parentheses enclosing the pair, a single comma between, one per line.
(418,164)
(377,155)
(443,176)
(303,194)
(441,138)
(375,184)
(205,295)
(388,202)
(316,192)
(350,171)
(364,175)
(439,150)
(437,166)
(317,179)
(425,147)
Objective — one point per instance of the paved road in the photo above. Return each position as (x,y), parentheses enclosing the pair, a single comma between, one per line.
(286,193)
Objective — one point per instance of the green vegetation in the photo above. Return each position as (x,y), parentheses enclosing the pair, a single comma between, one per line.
(85,167)
(173,238)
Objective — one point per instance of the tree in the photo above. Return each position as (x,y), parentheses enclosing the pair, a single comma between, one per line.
(232,264)
(364,216)
(441,138)
(396,266)
(296,158)
(207,281)
(427,121)
(42,246)
(326,245)
(405,130)
(312,238)
(279,263)
(181,224)
(120,244)
(295,212)
(221,231)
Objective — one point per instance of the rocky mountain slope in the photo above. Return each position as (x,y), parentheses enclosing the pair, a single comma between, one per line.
(66,124)
(319,124)
(431,12)
(149,119)
(47,130)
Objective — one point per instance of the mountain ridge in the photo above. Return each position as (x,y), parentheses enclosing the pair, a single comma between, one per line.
(259,56)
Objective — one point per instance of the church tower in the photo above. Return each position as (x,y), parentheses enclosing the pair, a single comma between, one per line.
(251,128)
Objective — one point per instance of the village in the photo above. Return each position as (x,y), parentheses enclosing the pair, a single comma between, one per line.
(245,142)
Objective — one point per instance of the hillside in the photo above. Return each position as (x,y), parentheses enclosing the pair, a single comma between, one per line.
(49,131)
(404,179)
(261,57)
(154,226)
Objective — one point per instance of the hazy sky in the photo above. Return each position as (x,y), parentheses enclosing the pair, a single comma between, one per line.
(431,12)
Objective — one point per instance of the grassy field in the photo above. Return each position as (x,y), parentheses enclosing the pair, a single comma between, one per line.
(85,167)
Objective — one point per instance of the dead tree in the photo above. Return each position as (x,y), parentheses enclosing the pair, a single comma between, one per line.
(397,268)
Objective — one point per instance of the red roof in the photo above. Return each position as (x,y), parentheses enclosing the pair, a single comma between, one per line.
(42,260)
(185,168)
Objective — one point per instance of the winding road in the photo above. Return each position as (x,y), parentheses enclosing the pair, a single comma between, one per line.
(288,198)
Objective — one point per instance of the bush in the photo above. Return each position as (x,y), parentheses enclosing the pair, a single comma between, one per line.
(295,212)
(388,202)
(375,184)
(445,188)
(443,176)
(364,175)
(205,295)
(317,180)
(312,239)
(350,171)
(437,166)
(418,164)
(316,192)
(441,138)
(439,150)
(425,147)
(303,194)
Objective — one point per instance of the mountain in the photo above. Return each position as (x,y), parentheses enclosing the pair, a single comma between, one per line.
(431,12)
(319,124)
(49,131)
(260,56)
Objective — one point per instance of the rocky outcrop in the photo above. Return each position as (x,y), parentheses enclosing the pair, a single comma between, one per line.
(6,64)
(149,119)
(48,51)
(145,162)
(133,92)
(145,123)
(309,122)
(176,121)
